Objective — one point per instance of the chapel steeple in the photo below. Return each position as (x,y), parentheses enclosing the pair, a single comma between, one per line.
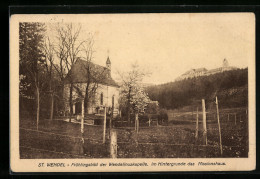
(108,63)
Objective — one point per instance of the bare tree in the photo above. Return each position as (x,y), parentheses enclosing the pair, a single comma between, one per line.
(49,64)
(95,75)
(67,51)
(68,48)
(61,56)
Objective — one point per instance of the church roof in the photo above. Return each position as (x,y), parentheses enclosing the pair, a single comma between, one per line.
(79,73)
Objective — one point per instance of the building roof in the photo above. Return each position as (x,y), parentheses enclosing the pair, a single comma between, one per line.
(215,70)
(195,71)
(220,69)
(82,69)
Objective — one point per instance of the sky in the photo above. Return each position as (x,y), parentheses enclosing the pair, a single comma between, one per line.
(167,45)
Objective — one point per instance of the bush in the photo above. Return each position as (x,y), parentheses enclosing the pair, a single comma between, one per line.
(163,116)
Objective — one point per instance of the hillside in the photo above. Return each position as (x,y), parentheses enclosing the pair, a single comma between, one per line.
(231,87)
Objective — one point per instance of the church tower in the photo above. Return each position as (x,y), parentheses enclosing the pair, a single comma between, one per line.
(225,63)
(108,63)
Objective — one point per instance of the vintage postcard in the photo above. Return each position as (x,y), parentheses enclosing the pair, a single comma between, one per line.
(132,92)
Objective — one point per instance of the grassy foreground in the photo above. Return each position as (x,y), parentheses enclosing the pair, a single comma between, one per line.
(59,139)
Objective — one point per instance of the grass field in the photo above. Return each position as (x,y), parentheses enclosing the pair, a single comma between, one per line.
(59,139)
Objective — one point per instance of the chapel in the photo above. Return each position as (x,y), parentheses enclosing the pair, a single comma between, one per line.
(103,91)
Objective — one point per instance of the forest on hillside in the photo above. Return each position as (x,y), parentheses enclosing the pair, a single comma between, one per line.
(231,87)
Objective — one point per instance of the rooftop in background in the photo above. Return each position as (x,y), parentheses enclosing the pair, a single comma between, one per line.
(193,73)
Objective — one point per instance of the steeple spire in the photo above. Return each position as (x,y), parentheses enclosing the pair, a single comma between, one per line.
(108,63)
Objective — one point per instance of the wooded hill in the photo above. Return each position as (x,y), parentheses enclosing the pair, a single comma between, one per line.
(231,87)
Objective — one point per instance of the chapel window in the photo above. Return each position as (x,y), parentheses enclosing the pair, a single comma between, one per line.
(113,100)
(101,99)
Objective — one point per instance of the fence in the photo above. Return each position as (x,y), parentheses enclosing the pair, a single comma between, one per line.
(68,146)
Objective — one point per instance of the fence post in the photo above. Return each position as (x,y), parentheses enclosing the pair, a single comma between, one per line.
(82,118)
(219,128)
(149,121)
(82,128)
(113,144)
(197,125)
(204,123)
(137,122)
(105,123)
(110,122)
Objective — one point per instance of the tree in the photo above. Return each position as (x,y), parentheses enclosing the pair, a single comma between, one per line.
(67,47)
(139,100)
(152,108)
(49,67)
(31,56)
(132,93)
(94,75)
(189,92)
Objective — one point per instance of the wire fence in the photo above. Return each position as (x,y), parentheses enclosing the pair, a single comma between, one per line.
(93,142)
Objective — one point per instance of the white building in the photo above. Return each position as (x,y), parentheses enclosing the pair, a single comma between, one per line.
(102,89)
(193,73)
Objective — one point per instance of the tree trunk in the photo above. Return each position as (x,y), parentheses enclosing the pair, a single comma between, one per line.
(128,114)
(51,106)
(70,101)
(52,94)
(86,102)
(87,97)
(137,122)
(128,106)
(38,106)
(62,98)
